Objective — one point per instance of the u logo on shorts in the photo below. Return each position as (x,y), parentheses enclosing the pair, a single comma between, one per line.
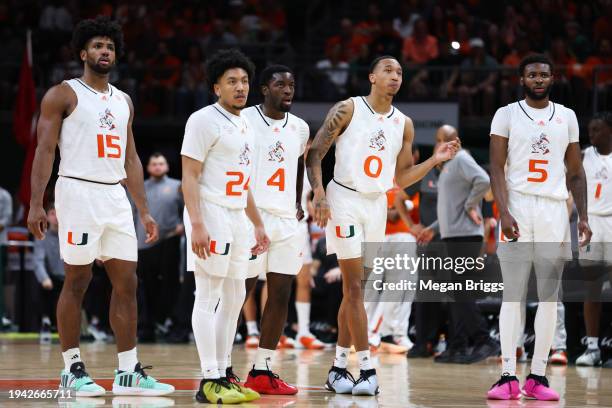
(213,248)
(346,234)
(83,239)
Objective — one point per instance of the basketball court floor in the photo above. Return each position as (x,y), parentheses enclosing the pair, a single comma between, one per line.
(404,383)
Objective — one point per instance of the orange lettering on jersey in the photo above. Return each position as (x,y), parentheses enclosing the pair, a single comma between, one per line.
(229,187)
(277,179)
(598,191)
(543,174)
(107,147)
(367,166)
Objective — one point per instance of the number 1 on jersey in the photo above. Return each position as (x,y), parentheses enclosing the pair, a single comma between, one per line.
(106,147)
(598,191)
(277,179)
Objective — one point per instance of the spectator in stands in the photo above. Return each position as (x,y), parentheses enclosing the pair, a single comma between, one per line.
(327,292)
(577,42)
(420,47)
(603,26)
(219,38)
(66,68)
(162,78)
(350,42)
(564,67)
(602,57)
(476,82)
(193,93)
(387,41)
(336,71)
(404,22)
(495,43)
(55,17)
(432,79)
(158,264)
(49,270)
(440,26)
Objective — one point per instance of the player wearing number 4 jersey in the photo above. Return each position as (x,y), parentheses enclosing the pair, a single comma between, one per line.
(373,145)
(217,158)
(280,141)
(91,122)
(533,143)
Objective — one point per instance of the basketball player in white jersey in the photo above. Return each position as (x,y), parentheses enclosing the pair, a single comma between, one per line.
(276,184)
(533,142)
(597,256)
(217,158)
(91,122)
(373,145)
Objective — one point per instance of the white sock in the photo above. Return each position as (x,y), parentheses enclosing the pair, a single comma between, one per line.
(252,329)
(208,293)
(509,327)
(71,356)
(128,360)
(232,297)
(263,360)
(342,355)
(303,317)
(365,362)
(593,343)
(544,325)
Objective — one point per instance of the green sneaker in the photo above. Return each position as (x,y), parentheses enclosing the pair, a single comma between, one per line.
(249,394)
(218,391)
(78,380)
(137,382)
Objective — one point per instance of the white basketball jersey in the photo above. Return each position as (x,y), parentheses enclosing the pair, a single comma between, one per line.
(278,146)
(538,140)
(367,150)
(598,171)
(93,137)
(224,143)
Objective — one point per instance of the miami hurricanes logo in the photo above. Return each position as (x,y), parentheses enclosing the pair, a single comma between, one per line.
(276,152)
(107,120)
(84,238)
(378,141)
(245,153)
(345,232)
(214,250)
(539,144)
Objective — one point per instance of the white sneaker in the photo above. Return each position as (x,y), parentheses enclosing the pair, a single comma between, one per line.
(403,341)
(252,341)
(340,381)
(589,358)
(367,384)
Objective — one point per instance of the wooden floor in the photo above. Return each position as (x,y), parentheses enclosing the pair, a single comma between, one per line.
(404,383)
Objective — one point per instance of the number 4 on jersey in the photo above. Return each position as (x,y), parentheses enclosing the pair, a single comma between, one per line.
(277,179)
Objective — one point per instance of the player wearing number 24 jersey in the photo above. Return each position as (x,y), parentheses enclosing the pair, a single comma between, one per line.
(373,146)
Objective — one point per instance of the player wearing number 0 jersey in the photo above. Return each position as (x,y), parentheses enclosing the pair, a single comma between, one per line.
(373,145)
(597,162)
(91,123)
(534,142)
(217,158)
(280,142)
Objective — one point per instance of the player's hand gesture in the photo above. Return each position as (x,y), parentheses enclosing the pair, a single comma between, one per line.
(262,241)
(37,222)
(321,209)
(299,214)
(200,241)
(150,227)
(509,227)
(584,233)
(446,151)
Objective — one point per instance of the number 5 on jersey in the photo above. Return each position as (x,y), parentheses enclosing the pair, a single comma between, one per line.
(539,168)
(107,148)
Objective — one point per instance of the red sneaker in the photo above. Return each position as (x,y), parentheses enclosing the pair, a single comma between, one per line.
(266,382)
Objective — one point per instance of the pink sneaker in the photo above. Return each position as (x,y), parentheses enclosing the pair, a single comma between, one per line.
(507,388)
(537,387)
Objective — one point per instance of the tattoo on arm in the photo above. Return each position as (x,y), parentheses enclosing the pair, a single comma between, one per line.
(334,124)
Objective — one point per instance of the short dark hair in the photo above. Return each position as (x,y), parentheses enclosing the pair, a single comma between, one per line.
(269,71)
(156,155)
(605,116)
(534,59)
(101,26)
(223,60)
(378,59)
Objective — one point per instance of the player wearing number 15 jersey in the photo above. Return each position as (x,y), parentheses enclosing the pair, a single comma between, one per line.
(534,142)
(91,122)
(373,145)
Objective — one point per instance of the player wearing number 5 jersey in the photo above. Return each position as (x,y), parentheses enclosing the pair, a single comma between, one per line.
(91,122)
(217,158)
(280,142)
(373,145)
(534,142)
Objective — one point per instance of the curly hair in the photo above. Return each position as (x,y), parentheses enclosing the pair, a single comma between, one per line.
(223,60)
(534,59)
(269,71)
(101,26)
